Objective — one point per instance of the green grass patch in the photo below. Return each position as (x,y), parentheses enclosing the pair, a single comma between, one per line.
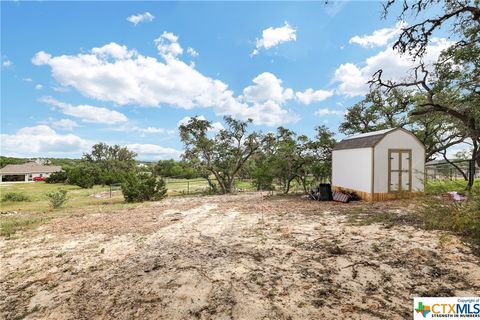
(15,197)
(9,225)
(459,217)
(435,187)
(36,192)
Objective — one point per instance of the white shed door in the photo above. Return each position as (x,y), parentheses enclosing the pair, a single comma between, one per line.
(399,170)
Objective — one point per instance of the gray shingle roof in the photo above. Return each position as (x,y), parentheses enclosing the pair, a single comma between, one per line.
(363,140)
(28,168)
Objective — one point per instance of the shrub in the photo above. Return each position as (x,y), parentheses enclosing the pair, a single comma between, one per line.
(143,187)
(57,177)
(15,196)
(460,217)
(57,198)
(82,176)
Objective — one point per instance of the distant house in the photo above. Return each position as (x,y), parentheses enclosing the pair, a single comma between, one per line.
(26,172)
(379,165)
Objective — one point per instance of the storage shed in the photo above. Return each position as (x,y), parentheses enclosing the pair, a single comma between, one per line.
(379,165)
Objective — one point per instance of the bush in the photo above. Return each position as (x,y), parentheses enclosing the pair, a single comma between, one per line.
(57,198)
(143,187)
(15,197)
(82,176)
(57,177)
(460,217)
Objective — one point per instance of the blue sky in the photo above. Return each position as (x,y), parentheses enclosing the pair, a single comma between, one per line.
(76,73)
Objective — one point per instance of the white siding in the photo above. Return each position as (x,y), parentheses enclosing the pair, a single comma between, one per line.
(398,139)
(352,168)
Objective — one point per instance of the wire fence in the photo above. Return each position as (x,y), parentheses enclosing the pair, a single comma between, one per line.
(178,186)
(453,170)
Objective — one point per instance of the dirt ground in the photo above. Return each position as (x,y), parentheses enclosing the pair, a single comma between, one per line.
(230,257)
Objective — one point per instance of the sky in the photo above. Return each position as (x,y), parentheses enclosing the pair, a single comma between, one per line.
(128,73)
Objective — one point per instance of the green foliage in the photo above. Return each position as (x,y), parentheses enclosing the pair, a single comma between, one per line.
(139,187)
(436,187)
(10,160)
(9,225)
(223,155)
(378,110)
(57,198)
(460,217)
(176,169)
(83,176)
(110,163)
(57,177)
(15,197)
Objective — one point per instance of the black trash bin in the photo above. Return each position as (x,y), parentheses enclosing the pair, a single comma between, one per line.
(325,192)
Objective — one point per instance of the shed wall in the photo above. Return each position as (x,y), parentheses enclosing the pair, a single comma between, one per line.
(352,169)
(398,140)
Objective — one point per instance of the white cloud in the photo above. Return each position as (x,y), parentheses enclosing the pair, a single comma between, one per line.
(168,46)
(65,124)
(114,73)
(216,126)
(267,87)
(192,52)
(6,63)
(41,58)
(27,79)
(272,37)
(154,152)
(87,113)
(41,140)
(309,96)
(353,78)
(379,37)
(115,51)
(38,87)
(141,17)
(142,130)
(328,112)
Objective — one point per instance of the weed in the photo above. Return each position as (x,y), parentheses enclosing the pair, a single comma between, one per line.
(57,198)
(15,197)
(10,225)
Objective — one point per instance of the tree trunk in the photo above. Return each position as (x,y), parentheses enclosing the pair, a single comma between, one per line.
(287,185)
(220,182)
(229,187)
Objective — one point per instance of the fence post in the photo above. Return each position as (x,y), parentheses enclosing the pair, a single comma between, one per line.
(188,186)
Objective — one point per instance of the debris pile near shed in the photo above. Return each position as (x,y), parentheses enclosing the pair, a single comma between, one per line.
(324,193)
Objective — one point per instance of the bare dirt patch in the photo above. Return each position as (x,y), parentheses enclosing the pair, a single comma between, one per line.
(230,257)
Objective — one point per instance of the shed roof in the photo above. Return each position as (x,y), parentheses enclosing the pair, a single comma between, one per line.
(29,168)
(363,140)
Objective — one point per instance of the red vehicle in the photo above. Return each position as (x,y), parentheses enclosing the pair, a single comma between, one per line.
(38,179)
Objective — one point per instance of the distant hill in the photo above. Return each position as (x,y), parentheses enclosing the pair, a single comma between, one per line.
(64,162)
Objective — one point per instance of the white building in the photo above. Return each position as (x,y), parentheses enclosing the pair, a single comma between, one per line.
(26,172)
(379,165)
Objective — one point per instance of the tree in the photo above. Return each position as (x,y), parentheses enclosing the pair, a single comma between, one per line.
(378,110)
(383,109)
(458,14)
(177,169)
(112,162)
(261,165)
(321,149)
(222,155)
(452,88)
(82,175)
(287,159)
